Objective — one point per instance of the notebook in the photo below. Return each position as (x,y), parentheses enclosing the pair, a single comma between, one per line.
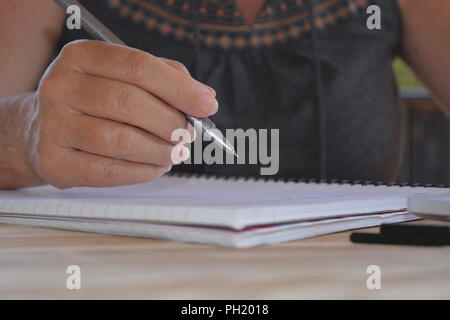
(431,206)
(234,212)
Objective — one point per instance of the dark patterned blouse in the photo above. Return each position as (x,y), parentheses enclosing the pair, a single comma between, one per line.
(310,68)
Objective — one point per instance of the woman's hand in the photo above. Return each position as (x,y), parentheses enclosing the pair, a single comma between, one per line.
(103,115)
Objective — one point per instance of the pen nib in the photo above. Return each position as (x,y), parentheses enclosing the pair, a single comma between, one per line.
(236,155)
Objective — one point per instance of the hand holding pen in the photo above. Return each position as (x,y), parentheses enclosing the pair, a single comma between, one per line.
(106,113)
(99,31)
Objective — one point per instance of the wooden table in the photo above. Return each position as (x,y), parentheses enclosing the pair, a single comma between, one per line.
(33,264)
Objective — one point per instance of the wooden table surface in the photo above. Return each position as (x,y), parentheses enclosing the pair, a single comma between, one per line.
(33,264)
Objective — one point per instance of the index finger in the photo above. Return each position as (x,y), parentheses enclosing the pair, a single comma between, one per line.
(144,70)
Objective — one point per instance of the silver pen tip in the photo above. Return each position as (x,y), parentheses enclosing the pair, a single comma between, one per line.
(236,155)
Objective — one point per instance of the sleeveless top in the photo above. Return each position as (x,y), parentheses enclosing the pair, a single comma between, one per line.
(310,68)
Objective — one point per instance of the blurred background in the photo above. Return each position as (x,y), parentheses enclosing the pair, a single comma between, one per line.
(426,156)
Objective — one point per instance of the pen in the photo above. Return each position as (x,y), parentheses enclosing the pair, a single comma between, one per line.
(100,32)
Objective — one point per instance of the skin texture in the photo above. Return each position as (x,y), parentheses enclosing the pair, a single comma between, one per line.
(91,125)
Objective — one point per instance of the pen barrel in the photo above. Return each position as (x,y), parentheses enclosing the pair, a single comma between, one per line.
(209,133)
(90,23)
(205,123)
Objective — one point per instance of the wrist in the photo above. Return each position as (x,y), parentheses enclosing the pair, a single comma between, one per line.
(19,125)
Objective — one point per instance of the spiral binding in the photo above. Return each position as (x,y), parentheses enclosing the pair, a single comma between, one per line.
(300,180)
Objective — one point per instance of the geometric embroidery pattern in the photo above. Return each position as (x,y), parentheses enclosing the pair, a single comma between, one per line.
(220,23)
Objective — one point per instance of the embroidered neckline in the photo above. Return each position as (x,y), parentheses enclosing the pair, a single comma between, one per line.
(220,22)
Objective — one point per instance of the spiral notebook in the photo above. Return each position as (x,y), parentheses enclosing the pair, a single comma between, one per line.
(211,210)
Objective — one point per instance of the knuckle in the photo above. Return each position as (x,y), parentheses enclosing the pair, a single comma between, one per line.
(137,66)
(71,50)
(179,66)
(124,103)
(112,173)
(124,142)
(179,85)
(49,85)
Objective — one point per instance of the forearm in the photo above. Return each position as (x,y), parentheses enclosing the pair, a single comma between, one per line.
(17,121)
(426,45)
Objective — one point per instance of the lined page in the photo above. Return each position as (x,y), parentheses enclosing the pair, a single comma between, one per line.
(202,201)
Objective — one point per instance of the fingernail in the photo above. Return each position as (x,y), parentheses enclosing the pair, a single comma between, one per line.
(216,106)
(168,170)
(207,104)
